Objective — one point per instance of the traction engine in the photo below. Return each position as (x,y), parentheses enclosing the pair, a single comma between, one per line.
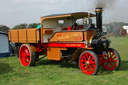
(85,43)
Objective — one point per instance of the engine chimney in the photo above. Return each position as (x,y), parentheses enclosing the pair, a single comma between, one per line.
(99,19)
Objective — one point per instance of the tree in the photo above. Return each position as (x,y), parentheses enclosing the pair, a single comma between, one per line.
(21,26)
(114,28)
(4,28)
(33,25)
(24,26)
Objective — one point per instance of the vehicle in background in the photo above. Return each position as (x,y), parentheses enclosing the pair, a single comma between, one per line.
(4,45)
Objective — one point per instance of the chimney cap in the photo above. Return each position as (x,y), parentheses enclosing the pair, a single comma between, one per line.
(98,10)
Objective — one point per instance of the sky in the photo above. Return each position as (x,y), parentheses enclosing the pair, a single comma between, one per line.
(13,12)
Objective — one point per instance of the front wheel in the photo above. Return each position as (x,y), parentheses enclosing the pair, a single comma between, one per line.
(89,63)
(111,60)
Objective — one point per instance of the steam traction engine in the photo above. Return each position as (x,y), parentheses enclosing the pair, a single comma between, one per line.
(61,37)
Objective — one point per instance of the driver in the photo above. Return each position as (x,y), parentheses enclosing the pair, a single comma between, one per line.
(75,26)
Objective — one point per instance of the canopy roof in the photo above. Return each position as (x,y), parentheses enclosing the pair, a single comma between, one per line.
(76,15)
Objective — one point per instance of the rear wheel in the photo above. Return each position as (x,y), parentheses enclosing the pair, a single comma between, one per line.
(27,57)
(89,63)
(111,60)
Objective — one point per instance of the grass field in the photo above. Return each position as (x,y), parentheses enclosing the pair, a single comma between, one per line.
(61,73)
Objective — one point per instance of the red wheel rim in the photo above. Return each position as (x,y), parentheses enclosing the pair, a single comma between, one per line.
(87,63)
(110,60)
(24,55)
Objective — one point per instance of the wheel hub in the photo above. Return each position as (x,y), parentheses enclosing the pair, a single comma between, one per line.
(87,63)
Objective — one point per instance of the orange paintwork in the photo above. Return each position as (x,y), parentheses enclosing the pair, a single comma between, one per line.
(24,35)
(67,36)
(73,36)
(13,35)
(88,35)
(47,31)
(54,53)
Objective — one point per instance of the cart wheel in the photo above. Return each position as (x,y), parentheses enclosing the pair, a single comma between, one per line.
(112,60)
(89,63)
(27,57)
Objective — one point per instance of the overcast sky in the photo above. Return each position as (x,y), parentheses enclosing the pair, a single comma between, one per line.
(13,12)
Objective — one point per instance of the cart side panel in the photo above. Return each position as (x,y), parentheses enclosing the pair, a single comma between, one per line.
(13,35)
(9,37)
(24,36)
(32,35)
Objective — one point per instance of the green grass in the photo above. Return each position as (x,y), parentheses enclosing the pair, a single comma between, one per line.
(61,73)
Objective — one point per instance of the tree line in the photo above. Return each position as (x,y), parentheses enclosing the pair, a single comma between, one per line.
(24,26)
(4,28)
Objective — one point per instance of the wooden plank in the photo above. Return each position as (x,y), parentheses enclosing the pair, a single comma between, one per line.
(24,35)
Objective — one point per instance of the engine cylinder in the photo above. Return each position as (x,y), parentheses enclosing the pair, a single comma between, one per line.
(100,44)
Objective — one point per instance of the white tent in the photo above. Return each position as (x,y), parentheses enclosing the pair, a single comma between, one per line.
(4,45)
(126,28)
